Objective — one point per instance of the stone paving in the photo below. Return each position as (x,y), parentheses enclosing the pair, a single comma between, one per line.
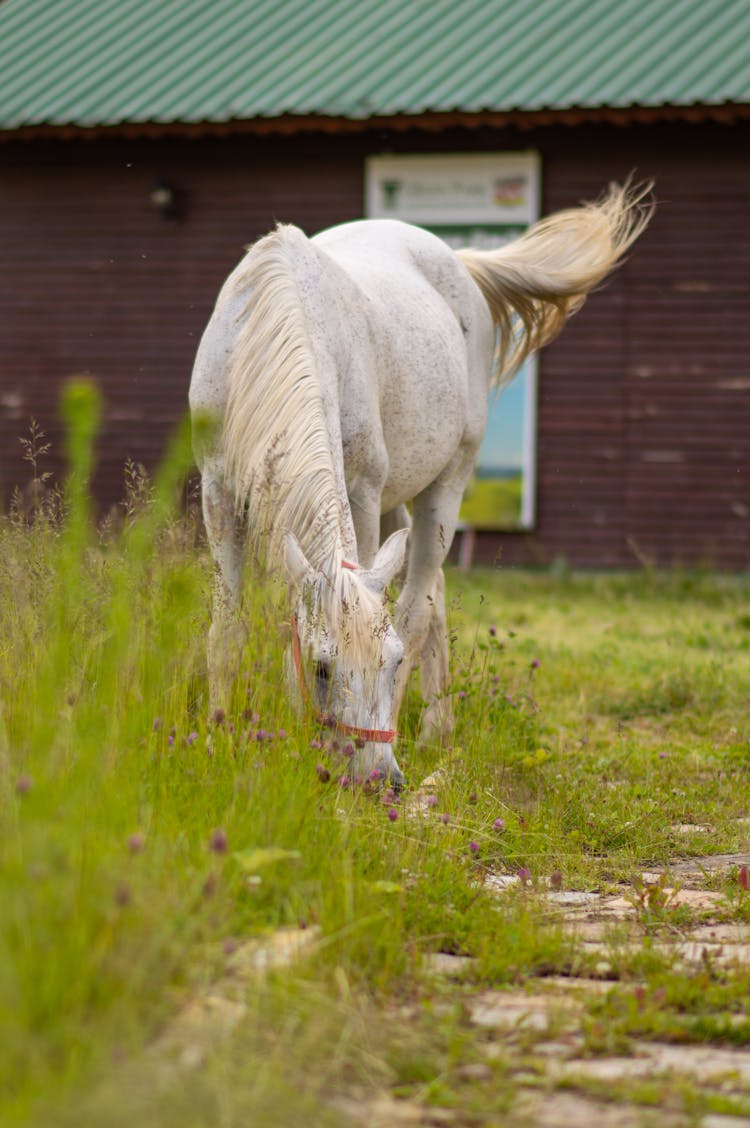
(538,1029)
(551,1014)
(212,1016)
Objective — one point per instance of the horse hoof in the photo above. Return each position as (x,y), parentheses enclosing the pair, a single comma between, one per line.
(396,780)
(436,728)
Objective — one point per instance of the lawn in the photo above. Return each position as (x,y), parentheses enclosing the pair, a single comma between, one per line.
(144,843)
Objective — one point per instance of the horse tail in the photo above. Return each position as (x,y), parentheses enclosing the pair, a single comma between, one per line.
(535,283)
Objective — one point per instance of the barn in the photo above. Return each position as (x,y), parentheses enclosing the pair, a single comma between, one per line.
(143,145)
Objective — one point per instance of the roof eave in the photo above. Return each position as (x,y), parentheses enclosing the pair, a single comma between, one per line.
(431,121)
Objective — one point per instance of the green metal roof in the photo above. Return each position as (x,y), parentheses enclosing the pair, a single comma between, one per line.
(107,62)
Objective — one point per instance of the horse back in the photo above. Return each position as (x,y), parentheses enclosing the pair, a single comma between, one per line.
(417,343)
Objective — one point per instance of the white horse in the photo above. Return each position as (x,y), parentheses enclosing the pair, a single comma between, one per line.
(349,375)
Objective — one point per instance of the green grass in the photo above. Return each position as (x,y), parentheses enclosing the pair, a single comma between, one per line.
(594,713)
(493,503)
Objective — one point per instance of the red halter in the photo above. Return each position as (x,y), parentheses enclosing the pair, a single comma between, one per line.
(371,736)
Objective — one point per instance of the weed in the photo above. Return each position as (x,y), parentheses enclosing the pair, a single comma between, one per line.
(656,904)
(142,839)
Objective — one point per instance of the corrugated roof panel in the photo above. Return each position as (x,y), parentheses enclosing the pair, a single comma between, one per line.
(506,64)
(647,68)
(103,62)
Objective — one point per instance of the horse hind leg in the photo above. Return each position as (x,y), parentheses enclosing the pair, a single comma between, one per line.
(226,636)
(437,720)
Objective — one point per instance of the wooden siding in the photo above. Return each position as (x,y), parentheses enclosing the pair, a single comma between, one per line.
(99,283)
(644,402)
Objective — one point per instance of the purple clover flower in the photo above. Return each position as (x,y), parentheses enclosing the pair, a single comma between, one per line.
(123,894)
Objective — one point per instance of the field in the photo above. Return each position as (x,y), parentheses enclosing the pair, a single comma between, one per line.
(201,924)
(493,503)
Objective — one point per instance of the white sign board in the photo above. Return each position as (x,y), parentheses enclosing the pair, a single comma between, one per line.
(480,200)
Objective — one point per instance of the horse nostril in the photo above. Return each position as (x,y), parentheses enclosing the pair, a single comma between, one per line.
(321,671)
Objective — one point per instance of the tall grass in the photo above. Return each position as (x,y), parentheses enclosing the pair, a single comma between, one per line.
(142,839)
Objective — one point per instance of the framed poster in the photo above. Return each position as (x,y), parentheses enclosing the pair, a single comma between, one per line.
(479,200)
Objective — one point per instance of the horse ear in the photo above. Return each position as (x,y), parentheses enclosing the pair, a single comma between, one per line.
(295,562)
(388,561)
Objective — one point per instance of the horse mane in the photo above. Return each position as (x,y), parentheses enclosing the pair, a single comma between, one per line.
(277,445)
(276,441)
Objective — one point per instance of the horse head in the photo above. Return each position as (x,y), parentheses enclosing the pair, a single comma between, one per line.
(345,652)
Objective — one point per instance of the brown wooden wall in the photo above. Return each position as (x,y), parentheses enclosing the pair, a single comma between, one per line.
(644,409)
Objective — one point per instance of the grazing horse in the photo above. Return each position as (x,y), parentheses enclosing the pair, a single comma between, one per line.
(347,376)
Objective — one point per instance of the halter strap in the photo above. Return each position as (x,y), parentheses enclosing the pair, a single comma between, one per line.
(370,736)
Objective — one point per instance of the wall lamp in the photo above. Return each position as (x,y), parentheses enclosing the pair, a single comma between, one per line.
(166,199)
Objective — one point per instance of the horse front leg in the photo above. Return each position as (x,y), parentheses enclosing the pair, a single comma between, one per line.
(420,611)
(364,501)
(437,721)
(226,636)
